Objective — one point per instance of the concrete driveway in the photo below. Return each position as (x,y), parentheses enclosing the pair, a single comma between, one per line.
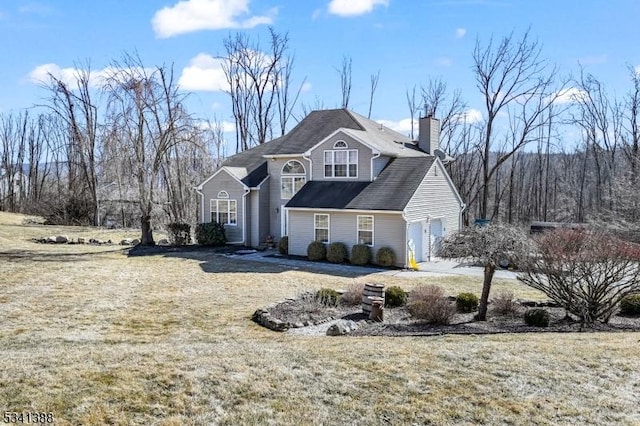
(437,267)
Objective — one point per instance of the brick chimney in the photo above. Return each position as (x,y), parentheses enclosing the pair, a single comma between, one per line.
(429,134)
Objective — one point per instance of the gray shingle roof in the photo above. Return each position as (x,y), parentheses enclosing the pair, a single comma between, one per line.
(391,191)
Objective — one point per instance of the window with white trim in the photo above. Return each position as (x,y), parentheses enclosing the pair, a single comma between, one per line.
(365,230)
(293,178)
(223,210)
(340,144)
(321,227)
(341,163)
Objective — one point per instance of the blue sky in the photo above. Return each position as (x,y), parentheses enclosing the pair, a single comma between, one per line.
(407,40)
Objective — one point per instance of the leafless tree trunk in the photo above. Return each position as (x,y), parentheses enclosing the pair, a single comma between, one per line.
(373,86)
(345,80)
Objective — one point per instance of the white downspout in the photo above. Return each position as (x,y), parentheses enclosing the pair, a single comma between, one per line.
(201,202)
(375,155)
(244,215)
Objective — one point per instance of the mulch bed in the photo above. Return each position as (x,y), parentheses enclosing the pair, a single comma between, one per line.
(398,322)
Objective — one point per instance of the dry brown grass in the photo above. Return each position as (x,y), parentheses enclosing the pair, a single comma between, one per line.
(101,338)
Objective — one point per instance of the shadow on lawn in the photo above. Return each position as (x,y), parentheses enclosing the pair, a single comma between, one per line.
(225,260)
(40,256)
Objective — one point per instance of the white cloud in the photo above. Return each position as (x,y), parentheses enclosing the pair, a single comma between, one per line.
(593,59)
(306,87)
(402,126)
(194,15)
(42,75)
(470,116)
(227,126)
(204,73)
(347,8)
(569,96)
(461,32)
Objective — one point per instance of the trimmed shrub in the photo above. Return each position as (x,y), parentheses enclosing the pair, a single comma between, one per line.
(466,302)
(353,295)
(211,234)
(395,296)
(360,254)
(503,303)
(179,233)
(316,251)
(630,305)
(327,296)
(429,303)
(337,253)
(283,245)
(385,257)
(537,317)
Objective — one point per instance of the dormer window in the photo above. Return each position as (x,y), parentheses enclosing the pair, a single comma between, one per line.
(341,162)
(294,176)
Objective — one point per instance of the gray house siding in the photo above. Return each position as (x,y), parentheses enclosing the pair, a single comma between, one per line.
(379,163)
(389,231)
(223,181)
(253,201)
(435,198)
(263,224)
(364,158)
(275,197)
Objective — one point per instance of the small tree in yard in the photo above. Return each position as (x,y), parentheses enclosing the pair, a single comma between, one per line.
(587,273)
(488,245)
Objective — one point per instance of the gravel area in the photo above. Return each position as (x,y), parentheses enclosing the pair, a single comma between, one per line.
(397,321)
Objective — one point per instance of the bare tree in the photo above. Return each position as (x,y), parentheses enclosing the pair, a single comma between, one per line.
(587,273)
(74,104)
(345,80)
(412,103)
(146,112)
(373,86)
(490,245)
(510,73)
(254,78)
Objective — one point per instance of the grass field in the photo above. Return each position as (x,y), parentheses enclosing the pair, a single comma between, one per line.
(97,337)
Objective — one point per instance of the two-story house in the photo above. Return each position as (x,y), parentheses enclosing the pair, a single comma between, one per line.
(337,176)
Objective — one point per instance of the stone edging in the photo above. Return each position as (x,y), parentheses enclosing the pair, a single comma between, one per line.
(263,317)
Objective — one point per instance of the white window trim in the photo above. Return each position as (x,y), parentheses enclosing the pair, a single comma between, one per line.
(292,178)
(216,201)
(328,228)
(333,163)
(373,229)
(223,194)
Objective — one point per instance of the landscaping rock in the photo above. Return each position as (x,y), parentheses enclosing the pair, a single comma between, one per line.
(126,242)
(163,242)
(50,240)
(135,242)
(80,240)
(62,239)
(342,328)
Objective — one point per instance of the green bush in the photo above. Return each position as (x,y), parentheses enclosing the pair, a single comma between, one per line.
(630,305)
(360,254)
(537,317)
(467,302)
(327,296)
(211,234)
(337,253)
(283,245)
(385,257)
(179,233)
(316,251)
(395,296)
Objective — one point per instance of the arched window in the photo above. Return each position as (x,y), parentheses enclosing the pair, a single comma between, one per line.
(340,145)
(223,210)
(294,176)
(223,194)
(293,167)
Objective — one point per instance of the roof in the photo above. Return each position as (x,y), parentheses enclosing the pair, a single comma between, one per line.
(391,190)
(323,194)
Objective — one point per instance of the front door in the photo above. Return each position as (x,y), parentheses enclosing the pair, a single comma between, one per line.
(436,234)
